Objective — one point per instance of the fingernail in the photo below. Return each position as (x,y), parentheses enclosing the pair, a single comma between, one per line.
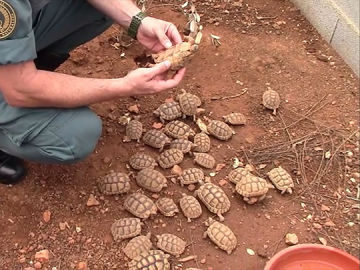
(168,44)
(167,63)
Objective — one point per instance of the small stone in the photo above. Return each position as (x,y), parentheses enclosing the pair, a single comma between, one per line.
(329,223)
(356,175)
(37,265)
(250,252)
(176,170)
(47,216)
(219,167)
(222,182)
(92,201)
(155,196)
(191,187)
(107,160)
(170,99)
(63,225)
(22,260)
(157,125)
(325,207)
(82,266)
(203,261)
(200,111)
(267,216)
(262,166)
(133,108)
(291,239)
(29,268)
(323,241)
(42,255)
(327,154)
(317,225)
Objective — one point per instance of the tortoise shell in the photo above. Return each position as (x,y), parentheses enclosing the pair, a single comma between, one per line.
(167,207)
(235,175)
(134,130)
(182,144)
(126,228)
(137,245)
(150,260)
(190,207)
(170,157)
(252,188)
(204,160)
(281,179)
(156,139)
(235,119)
(188,103)
(271,100)
(178,129)
(168,111)
(191,176)
(171,244)
(140,161)
(114,183)
(140,205)
(221,235)
(151,180)
(220,130)
(202,143)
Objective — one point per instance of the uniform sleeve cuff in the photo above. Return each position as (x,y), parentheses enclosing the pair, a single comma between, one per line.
(18,50)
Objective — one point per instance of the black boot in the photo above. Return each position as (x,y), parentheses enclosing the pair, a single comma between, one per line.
(12,169)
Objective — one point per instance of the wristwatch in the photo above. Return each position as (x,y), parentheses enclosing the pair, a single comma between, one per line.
(135,24)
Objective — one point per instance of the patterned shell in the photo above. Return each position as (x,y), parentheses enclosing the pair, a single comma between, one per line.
(150,260)
(168,111)
(140,205)
(114,183)
(204,160)
(190,207)
(140,161)
(235,119)
(156,139)
(178,129)
(235,175)
(202,143)
(251,186)
(220,130)
(170,157)
(222,236)
(134,130)
(281,179)
(188,103)
(271,100)
(182,144)
(137,245)
(171,244)
(167,207)
(191,176)
(126,228)
(151,180)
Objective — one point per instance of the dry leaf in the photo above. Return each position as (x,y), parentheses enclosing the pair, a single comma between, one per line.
(219,167)
(157,125)
(323,241)
(47,216)
(291,239)
(133,108)
(202,125)
(250,252)
(92,201)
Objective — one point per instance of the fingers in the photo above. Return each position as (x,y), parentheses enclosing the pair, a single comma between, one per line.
(159,69)
(173,33)
(163,38)
(170,83)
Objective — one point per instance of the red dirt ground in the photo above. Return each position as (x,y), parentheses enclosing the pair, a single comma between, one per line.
(254,55)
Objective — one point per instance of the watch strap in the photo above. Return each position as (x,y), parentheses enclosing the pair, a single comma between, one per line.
(135,24)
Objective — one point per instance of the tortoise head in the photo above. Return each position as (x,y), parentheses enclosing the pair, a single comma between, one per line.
(209,221)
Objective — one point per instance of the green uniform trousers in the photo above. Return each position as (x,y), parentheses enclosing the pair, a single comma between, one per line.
(53,135)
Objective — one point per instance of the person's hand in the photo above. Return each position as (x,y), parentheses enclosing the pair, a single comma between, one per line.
(144,81)
(157,35)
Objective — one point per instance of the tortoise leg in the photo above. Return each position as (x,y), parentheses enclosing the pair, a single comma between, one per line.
(221,217)
(261,198)
(188,219)
(205,234)
(274,112)
(229,251)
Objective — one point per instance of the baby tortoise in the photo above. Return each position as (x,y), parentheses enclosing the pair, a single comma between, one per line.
(202,143)
(168,111)
(114,183)
(151,180)
(271,100)
(191,176)
(170,157)
(138,245)
(204,160)
(177,129)
(220,130)
(252,188)
(182,144)
(235,119)
(140,161)
(171,244)
(221,235)
(235,175)
(150,260)
(214,198)
(167,207)
(126,228)
(281,179)
(134,130)
(156,139)
(190,207)
(140,205)
(188,103)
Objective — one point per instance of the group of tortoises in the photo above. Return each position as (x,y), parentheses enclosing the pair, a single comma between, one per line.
(176,136)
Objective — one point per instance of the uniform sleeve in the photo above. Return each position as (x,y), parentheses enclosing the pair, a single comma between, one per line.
(17,41)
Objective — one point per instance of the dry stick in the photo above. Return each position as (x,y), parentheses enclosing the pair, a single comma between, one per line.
(229,97)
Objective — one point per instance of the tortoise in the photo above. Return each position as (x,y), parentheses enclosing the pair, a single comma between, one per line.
(271,100)
(177,129)
(188,103)
(220,130)
(182,144)
(151,180)
(235,119)
(140,205)
(171,244)
(214,198)
(167,207)
(170,157)
(138,245)
(134,130)
(168,111)
(126,228)
(235,175)
(252,188)
(221,235)
(156,139)
(202,143)
(114,183)
(281,179)
(140,161)
(150,260)
(204,160)
(190,207)
(191,176)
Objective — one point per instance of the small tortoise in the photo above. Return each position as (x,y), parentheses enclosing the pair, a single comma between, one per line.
(220,130)
(114,183)
(171,244)
(191,176)
(214,198)
(252,188)
(140,161)
(140,205)
(235,175)
(182,144)
(150,260)
(151,180)
(134,130)
(168,111)
(271,100)
(126,228)
(202,143)
(156,139)
(281,179)
(178,129)
(188,103)
(167,207)
(138,245)
(204,160)
(170,157)
(221,235)
(235,119)
(190,207)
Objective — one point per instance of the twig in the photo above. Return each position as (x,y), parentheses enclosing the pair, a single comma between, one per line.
(229,97)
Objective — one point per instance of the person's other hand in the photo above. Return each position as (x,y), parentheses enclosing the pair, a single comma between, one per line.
(144,81)
(157,35)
